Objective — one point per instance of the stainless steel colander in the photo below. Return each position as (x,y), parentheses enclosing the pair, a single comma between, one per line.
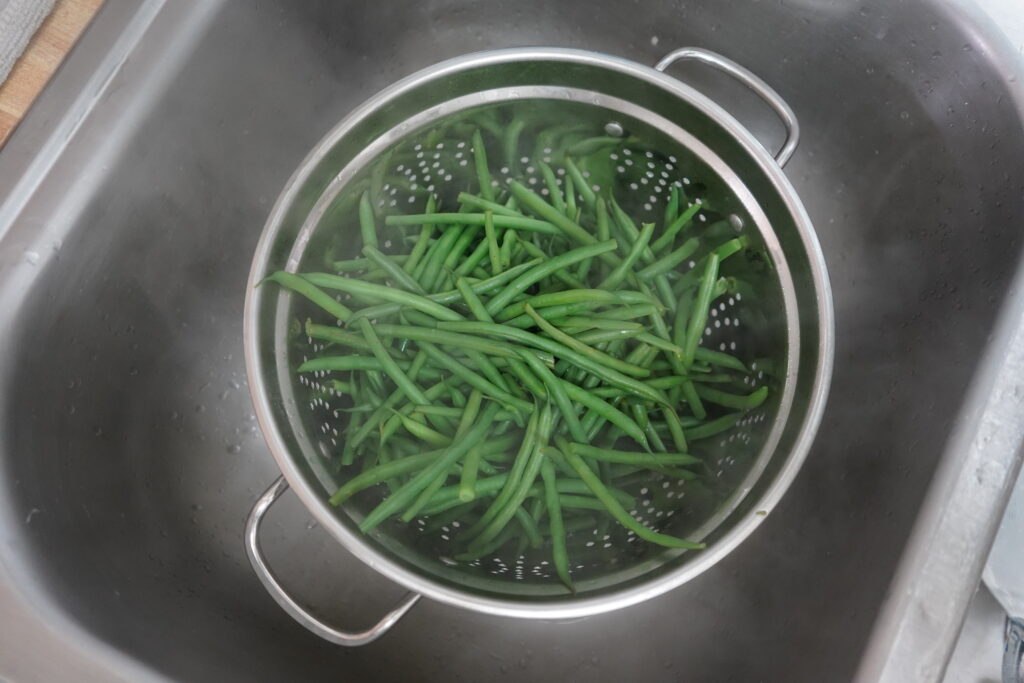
(652,132)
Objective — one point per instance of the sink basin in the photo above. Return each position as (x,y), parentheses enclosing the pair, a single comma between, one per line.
(129,454)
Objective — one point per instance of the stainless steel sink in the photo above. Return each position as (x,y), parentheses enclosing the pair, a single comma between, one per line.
(133,196)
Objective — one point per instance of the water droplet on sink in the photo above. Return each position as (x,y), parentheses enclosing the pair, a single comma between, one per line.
(904,115)
(234,448)
(31,257)
(197,507)
(98,431)
(200,408)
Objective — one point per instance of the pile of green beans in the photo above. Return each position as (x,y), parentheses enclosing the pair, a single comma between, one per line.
(511,357)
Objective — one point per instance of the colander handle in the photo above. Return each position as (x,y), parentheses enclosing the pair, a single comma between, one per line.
(749,79)
(287,602)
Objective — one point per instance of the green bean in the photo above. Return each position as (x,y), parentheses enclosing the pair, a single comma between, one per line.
(422,431)
(301,285)
(542,270)
(449,495)
(335,335)
(588,351)
(555,314)
(557,394)
(723,251)
(554,191)
(420,303)
(474,380)
(713,427)
(486,205)
(378,474)
(508,243)
(620,515)
(471,263)
(511,143)
(658,342)
(423,241)
(357,436)
(699,314)
(487,548)
(673,229)
(389,365)
(594,323)
(537,205)
(632,457)
(348,451)
(721,398)
(641,417)
(675,428)
(719,358)
(588,146)
(609,375)
(357,264)
(467,482)
(528,379)
(456,411)
(604,232)
(562,274)
(529,526)
(393,269)
(692,399)
(405,495)
(511,483)
(530,472)
(672,207)
(475,219)
(476,307)
(589,198)
(367,226)
(340,364)
(573,296)
(483,174)
(577,502)
(625,268)
(458,249)
(570,199)
(664,288)
(670,260)
(630,312)
(606,411)
(556,527)
(482,287)
(427,273)
(598,336)
(627,227)
(424,496)
(492,243)
(391,426)
(464,341)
